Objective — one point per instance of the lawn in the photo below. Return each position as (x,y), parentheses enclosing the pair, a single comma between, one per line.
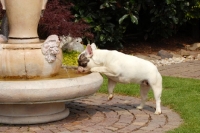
(180,94)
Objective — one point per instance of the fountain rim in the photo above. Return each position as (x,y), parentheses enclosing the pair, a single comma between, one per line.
(49,90)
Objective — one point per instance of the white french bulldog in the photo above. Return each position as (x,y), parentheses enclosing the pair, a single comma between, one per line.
(119,67)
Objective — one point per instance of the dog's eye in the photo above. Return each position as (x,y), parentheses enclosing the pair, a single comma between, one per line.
(82,61)
(83,64)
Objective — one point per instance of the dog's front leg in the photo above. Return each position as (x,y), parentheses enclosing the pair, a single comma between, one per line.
(104,70)
(111,86)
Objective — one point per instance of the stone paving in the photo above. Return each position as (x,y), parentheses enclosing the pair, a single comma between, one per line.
(190,69)
(97,115)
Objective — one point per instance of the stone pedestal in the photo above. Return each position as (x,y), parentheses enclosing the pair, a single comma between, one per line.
(41,101)
(32,113)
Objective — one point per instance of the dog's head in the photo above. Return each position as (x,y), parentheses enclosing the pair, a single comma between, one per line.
(84,58)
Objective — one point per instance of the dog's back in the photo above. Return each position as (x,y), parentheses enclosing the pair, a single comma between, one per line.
(128,68)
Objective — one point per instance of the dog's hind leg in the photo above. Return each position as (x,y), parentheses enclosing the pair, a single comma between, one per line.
(111,86)
(157,90)
(157,94)
(144,89)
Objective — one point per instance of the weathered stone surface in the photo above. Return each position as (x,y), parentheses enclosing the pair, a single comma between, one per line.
(188,69)
(142,56)
(168,61)
(179,57)
(96,115)
(71,44)
(42,101)
(164,54)
(184,52)
(194,46)
(176,55)
(152,56)
(198,57)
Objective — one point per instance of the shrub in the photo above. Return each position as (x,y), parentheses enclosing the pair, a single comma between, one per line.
(112,20)
(194,10)
(70,58)
(108,19)
(107,22)
(165,17)
(57,19)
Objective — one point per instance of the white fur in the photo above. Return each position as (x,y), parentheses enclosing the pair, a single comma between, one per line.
(119,67)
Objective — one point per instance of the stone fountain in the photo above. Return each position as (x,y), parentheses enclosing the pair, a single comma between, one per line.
(25,56)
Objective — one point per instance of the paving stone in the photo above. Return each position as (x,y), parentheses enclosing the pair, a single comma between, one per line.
(2,129)
(91,115)
(188,69)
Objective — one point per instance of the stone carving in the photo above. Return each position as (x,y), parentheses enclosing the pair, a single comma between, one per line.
(50,48)
(70,44)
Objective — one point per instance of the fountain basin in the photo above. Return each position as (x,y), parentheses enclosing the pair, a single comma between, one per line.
(41,101)
(26,61)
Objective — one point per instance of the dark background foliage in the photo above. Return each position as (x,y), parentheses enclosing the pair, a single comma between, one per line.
(115,21)
(111,23)
(57,19)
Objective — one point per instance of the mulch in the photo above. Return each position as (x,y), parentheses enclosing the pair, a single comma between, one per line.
(173,44)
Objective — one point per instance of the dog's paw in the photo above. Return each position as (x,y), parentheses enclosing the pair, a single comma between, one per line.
(158,112)
(93,70)
(80,69)
(110,97)
(139,107)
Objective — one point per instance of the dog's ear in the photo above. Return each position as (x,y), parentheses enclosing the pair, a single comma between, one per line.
(93,45)
(89,51)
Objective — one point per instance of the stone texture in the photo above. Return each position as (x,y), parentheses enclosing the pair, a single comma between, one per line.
(194,46)
(17,15)
(71,44)
(184,52)
(100,116)
(198,57)
(142,56)
(26,61)
(189,69)
(152,56)
(164,54)
(39,101)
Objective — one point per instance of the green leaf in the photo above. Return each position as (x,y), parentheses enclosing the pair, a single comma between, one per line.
(102,6)
(152,10)
(175,20)
(122,18)
(97,28)
(88,19)
(102,37)
(168,2)
(153,19)
(113,1)
(134,19)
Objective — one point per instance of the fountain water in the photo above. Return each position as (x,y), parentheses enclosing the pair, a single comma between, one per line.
(25,56)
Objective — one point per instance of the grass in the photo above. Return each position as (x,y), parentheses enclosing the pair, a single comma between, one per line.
(180,94)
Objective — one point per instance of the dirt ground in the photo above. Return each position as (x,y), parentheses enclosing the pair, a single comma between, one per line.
(173,44)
